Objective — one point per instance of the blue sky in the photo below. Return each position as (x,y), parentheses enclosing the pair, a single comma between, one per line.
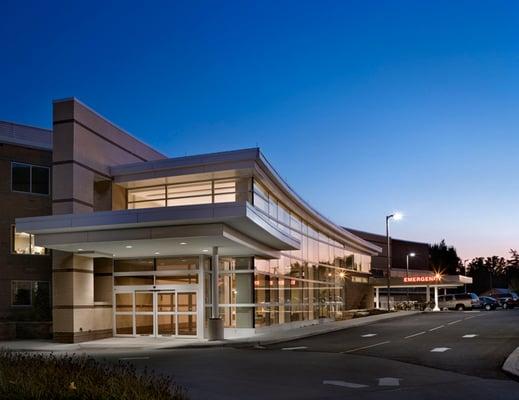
(363,107)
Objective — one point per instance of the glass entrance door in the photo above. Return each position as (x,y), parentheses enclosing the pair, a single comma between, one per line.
(186,313)
(144,313)
(166,313)
(156,313)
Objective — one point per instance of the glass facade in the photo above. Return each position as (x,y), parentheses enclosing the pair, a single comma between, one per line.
(303,284)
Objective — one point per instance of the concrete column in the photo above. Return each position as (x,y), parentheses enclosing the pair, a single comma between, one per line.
(215,324)
(427,294)
(436,308)
(74,312)
(214,282)
(377,298)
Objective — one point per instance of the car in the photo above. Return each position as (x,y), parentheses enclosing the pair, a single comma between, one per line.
(460,302)
(488,303)
(474,298)
(507,300)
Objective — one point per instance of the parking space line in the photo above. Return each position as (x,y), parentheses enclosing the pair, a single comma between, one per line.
(438,327)
(440,349)
(469,336)
(350,385)
(454,322)
(294,348)
(369,335)
(365,347)
(414,334)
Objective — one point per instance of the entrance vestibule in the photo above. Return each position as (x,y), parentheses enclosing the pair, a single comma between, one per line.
(156,313)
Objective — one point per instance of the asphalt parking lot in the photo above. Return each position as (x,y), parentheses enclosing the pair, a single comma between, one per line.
(473,343)
(446,355)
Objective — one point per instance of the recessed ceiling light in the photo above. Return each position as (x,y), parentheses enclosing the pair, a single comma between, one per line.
(79,249)
(157,252)
(205,250)
(128,247)
(183,243)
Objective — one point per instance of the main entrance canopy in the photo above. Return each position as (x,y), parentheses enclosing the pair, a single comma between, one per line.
(235,229)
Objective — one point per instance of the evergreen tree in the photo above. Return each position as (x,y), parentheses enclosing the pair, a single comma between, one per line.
(444,259)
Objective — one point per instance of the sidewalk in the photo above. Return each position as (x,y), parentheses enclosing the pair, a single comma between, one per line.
(319,329)
(117,344)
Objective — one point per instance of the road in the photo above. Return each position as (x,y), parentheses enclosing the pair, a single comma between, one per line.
(445,355)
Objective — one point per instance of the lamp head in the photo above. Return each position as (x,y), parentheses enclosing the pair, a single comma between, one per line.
(412,254)
(397,216)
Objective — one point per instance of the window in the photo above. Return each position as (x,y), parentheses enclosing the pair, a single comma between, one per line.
(224,191)
(21,293)
(189,193)
(23,243)
(30,293)
(182,194)
(30,178)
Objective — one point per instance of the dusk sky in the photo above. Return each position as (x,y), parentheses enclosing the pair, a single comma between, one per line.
(363,107)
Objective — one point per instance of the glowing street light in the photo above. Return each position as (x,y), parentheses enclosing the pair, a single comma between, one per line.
(397,216)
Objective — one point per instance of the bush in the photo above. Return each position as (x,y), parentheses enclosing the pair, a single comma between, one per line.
(30,376)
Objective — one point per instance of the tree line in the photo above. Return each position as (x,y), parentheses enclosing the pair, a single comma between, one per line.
(486,272)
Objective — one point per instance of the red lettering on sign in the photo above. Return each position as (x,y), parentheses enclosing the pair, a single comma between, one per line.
(418,279)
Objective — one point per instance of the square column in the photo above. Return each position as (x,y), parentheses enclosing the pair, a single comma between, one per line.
(74,314)
(377,298)
(215,325)
(436,308)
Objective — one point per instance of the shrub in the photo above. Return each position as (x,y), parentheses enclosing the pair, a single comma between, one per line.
(33,376)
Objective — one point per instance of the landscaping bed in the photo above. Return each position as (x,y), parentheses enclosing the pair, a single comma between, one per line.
(32,376)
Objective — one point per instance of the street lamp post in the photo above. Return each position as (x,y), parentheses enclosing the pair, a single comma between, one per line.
(396,216)
(407,269)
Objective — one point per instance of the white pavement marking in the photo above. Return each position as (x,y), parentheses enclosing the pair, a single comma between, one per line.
(134,358)
(345,384)
(388,381)
(469,336)
(414,334)
(294,348)
(474,316)
(369,335)
(365,347)
(440,349)
(438,327)
(454,322)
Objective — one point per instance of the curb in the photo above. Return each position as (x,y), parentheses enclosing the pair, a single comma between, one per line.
(338,328)
(511,364)
(258,342)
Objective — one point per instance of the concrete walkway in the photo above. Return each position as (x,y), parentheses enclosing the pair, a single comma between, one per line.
(117,344)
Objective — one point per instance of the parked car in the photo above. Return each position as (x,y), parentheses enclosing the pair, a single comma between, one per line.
(507,300)
(476,303)
(460,302)
(488,303)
